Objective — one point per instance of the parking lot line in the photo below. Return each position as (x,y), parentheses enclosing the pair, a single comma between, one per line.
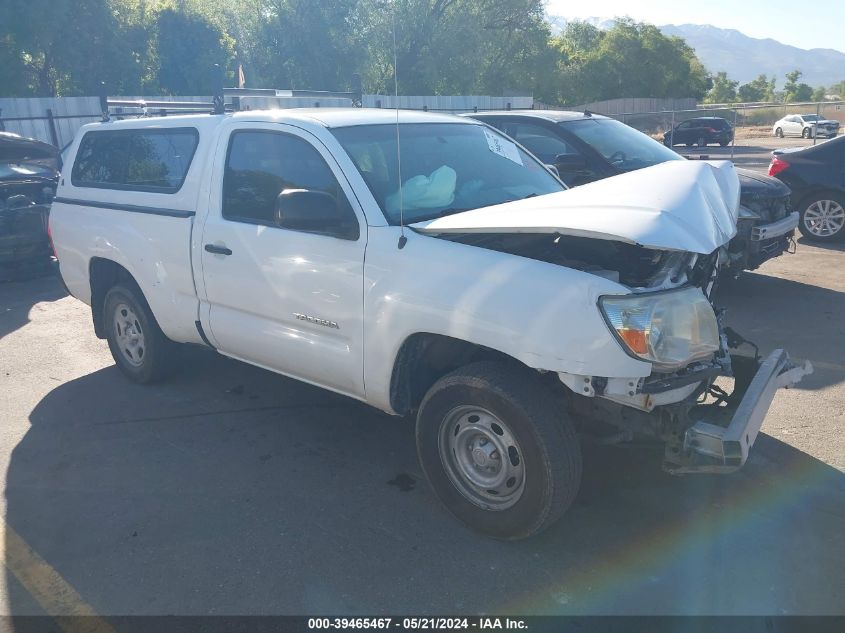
(47,587)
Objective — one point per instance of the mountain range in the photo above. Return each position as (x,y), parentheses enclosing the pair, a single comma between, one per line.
(744,57)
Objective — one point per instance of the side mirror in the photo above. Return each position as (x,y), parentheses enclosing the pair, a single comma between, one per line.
(314,212)
(570,162)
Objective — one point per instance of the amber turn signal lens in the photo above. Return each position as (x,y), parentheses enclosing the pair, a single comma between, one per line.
(636,340)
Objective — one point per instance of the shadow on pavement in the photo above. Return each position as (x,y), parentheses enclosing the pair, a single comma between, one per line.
(804,319)
(830,246)
(18,297)
(230,490)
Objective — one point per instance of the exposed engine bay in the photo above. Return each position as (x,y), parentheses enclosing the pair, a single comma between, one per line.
(628,264)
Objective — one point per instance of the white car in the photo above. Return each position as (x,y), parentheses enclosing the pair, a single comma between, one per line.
(500,309)
(805,126)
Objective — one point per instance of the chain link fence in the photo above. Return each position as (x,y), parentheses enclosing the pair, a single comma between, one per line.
(754,131)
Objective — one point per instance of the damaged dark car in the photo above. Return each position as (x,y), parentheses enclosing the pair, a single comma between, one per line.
(585,147)
(29,174)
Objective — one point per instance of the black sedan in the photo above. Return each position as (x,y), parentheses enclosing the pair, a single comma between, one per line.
(816,176)
(700,131)
(584,147)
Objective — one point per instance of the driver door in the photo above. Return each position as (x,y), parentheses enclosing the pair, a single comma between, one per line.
(287,300)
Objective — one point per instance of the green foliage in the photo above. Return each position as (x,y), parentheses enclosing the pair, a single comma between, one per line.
(630,59)
(187,46)
(794,91)
(760,89)
(723,90)
(67,47)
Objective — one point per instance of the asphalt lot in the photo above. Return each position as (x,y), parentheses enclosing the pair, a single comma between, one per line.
(230,490)
(752,153)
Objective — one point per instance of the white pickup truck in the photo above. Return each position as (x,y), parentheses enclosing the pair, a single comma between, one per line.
(506,313)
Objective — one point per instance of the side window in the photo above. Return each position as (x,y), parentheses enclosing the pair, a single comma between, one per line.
(543,143)
(155,160)
(685,125)
(262,164)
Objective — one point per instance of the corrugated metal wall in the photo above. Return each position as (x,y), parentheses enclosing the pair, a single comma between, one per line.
(71,113)
(637,105)
(448,103)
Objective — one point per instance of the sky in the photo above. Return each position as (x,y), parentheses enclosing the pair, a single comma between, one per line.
(814,24)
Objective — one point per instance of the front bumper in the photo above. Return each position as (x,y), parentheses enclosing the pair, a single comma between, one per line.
(775,229)
(713,448)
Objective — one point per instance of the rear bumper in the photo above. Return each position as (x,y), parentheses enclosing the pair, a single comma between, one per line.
(712,448)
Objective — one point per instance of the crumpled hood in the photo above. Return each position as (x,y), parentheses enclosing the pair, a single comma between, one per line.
(677,205)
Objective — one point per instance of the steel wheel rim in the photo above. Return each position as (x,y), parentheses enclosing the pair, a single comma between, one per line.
(482,458)
(129,335)
(824,218)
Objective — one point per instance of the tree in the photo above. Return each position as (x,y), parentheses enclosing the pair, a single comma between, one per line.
(188,46)
(723,90)
(630,59)
(819,93)
(794,91)
(67,47)
(760,89)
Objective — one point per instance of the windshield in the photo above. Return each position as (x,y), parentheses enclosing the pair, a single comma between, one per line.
(621,145)
(810,117)
(22,171)
(446,168)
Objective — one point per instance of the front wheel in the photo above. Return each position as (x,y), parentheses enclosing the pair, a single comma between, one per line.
(139,348)
(779,132)
(806,133)
(498,451)
(823,217)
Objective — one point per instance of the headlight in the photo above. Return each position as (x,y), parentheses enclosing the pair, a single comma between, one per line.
(747,214)
(669,329)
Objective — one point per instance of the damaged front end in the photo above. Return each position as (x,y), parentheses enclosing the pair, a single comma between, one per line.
(765,225)
(704,427)
(667,247)
(28,180)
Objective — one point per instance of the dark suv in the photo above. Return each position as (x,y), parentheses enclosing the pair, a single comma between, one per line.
(700,131)
(585,147)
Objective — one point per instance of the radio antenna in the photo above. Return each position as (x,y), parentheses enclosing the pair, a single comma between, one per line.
(402,239)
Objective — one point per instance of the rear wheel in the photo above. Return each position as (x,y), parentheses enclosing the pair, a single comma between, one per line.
(823,217)
(499,452)
(139,348)
(779,132)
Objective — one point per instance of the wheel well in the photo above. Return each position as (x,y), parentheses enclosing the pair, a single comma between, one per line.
(816,194)
(424,358)
(103,274)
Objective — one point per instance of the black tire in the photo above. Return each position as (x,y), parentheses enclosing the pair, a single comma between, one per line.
(723,143)
(155,358)
(549,449)
(779,132)
(805,133)
(808,202)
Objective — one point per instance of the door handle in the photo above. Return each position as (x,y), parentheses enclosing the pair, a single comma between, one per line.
(218,250)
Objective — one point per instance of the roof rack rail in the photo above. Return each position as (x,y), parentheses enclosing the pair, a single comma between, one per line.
(217,105)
